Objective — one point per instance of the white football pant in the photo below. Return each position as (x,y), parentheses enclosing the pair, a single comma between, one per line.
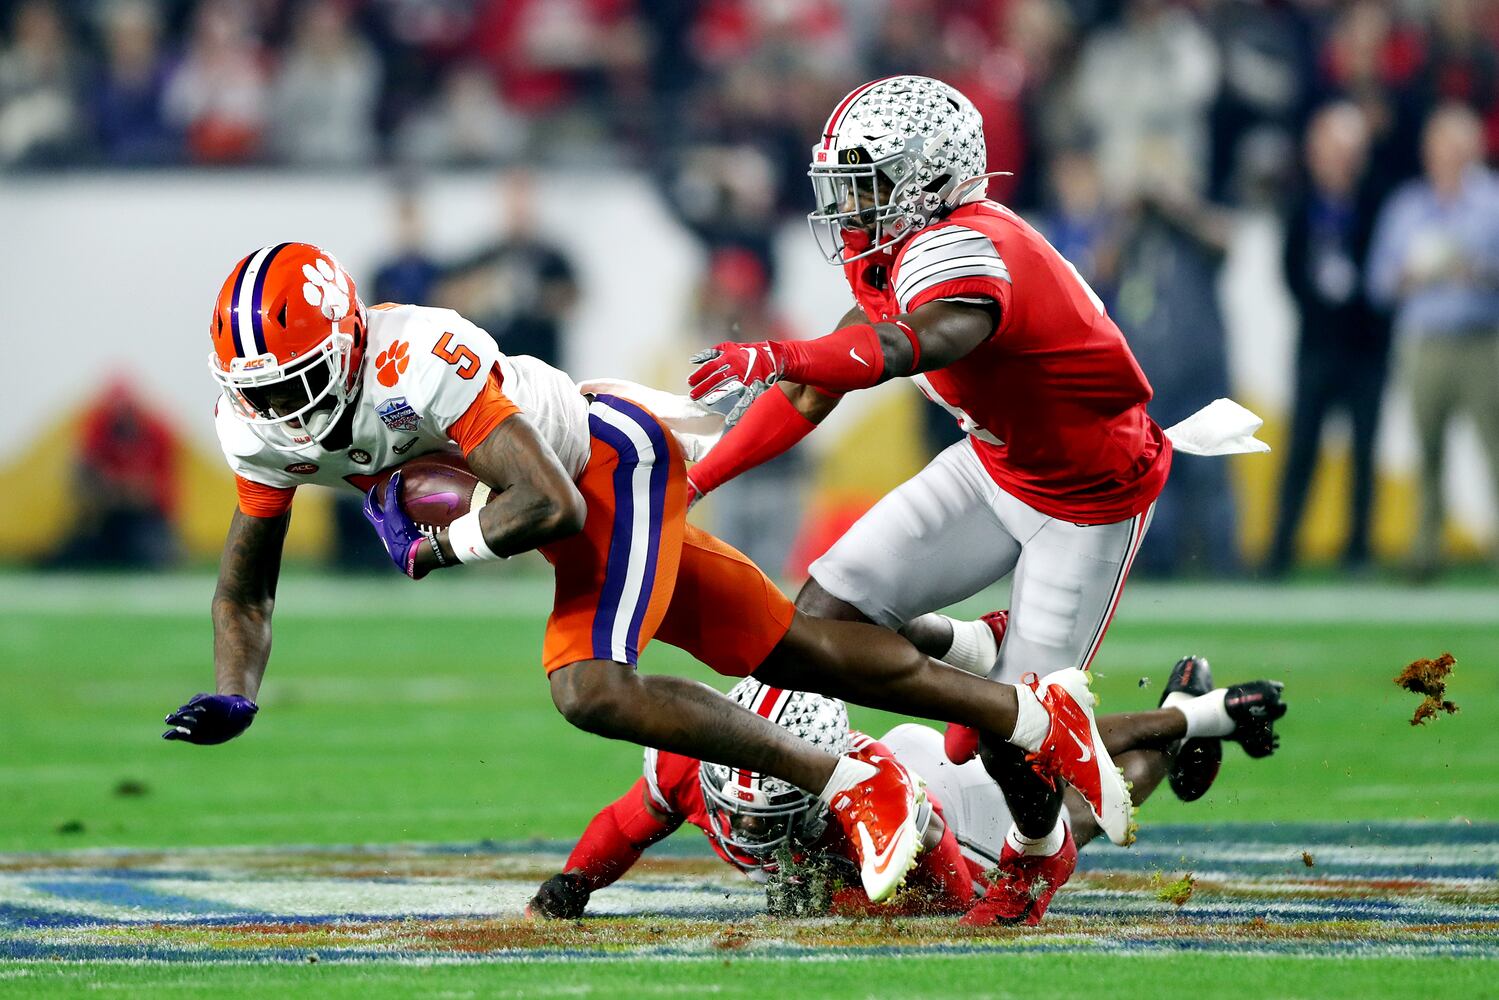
(950,531)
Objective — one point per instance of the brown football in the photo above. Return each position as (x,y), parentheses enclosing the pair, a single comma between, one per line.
(437,489)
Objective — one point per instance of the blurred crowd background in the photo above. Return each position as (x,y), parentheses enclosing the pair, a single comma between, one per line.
(1137,134)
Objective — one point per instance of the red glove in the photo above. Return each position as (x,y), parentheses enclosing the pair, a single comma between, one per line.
(729,367)
(849,358)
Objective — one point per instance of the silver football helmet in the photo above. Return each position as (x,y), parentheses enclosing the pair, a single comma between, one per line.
(896,155)
(751,814)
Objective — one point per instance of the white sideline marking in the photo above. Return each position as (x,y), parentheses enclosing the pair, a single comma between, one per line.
(529,595)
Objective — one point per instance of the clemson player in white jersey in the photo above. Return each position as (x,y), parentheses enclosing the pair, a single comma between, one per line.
(318,389)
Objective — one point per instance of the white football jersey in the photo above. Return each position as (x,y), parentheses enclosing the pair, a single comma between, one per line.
(423,369)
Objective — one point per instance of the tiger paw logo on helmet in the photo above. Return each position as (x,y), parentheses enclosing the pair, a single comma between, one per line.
(391,363)
(325,289)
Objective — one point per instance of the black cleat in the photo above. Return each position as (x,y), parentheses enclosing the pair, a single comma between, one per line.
(1195,762)
(1255,707)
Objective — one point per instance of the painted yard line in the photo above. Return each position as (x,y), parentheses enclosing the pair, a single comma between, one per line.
(1112,944)
(526,593)
(1442,838)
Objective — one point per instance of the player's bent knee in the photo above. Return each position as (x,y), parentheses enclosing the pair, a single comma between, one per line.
(818,603)
(593,695)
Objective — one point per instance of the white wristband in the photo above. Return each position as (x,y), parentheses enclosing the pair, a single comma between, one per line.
(467,540)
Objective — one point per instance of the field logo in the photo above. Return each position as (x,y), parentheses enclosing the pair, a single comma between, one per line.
(398,415)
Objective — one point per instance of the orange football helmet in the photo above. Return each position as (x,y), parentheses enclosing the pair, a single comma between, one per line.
(288,341)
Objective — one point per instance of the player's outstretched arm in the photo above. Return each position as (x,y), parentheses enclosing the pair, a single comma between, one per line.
(764,425)
(770,425)
(242,605)
(852,357)
(609,847)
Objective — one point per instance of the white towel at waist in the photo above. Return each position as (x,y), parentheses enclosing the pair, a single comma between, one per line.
(695,427)
(1223,427)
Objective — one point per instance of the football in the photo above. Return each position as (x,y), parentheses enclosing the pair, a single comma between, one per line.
(437,489)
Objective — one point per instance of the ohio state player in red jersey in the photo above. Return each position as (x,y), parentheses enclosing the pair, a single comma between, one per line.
(1061,467)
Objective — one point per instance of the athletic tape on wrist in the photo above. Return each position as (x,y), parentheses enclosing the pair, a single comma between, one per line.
(467,540)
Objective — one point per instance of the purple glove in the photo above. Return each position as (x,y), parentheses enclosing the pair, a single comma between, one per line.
(397,531)
(211,718)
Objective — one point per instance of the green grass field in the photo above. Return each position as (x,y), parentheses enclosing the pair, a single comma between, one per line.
(397,713)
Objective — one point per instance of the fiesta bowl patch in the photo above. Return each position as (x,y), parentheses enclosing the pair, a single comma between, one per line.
(398,415)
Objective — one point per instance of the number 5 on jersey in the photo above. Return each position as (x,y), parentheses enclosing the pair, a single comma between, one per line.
(466,360)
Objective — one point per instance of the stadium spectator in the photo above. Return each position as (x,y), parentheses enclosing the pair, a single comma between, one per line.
(1266,79)
(1373,61)
(1435,263)
(129,125)
(324,97)
(464,124)
(520,288)
(1167,305)
(1081,223)
(1137,116)
(40,79)
(1461,64)
(127,486)
(218,94)
(564,63)
(1343,351)
(759,512)
(411,273)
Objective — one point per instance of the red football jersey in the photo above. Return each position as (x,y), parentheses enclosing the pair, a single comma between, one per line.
(1054,400)
(675,790)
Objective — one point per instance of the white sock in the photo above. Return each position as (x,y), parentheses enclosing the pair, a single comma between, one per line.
(1205,714)
(973,647)
(1043,846)
(848,773)
(1031,719)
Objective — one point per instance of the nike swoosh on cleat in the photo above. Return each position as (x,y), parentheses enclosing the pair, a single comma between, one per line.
(881,860)
(1085,748)
(855,356)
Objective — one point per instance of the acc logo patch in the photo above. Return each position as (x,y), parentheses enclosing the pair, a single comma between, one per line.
(302,468)
(398,415)
(360,456)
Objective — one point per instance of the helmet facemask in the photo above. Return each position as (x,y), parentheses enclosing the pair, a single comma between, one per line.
(752,815)
(321,384)
(878,201)
(751,822)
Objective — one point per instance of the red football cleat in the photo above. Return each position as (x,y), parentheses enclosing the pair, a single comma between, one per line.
(960,742)
(879,817)
(1073,750)
(1025,886)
